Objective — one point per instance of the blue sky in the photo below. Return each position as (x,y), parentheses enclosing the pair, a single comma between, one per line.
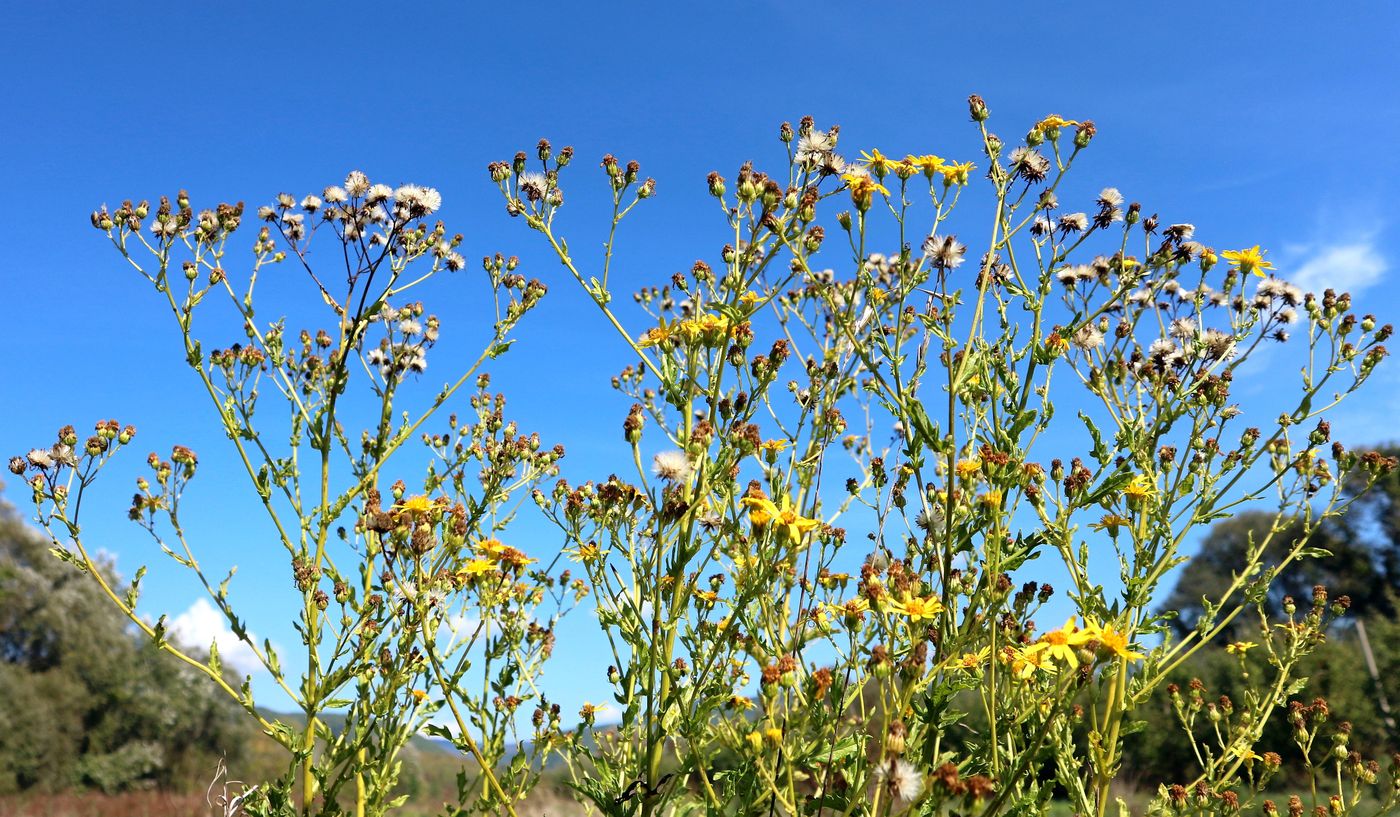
(1260,123)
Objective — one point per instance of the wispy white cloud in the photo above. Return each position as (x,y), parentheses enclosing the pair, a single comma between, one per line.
(1346,267)
(201,625)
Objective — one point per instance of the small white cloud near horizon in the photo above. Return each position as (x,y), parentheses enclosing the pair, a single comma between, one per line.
(1345,267)
(202,624)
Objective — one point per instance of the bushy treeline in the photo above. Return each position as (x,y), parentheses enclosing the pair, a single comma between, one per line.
(83,702)
(1361,571)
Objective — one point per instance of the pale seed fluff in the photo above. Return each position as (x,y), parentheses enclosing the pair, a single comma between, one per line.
(39,458)
(902,779)
(409,326)
(672,466)
(1088,337)
(1074,222)
(356,183)
(1183,328)
(378,193)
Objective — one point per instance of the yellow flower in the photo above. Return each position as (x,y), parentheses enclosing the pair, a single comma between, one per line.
(772,446)
(1248,260)
(1112,641)
(972,660)
(1111,523)
(587,552)
(853,610)
(416,505)
(956,173)
(476,567)
(750,298)
(706,330)
(490,546)
(878,163)
(1026,663)
(654,336)
(928,163)
(740,703)
(969,468)
(1240,647)
(790,524)
(420,696)
(1053,122)
(1060,644)
(863,189)
(1139,489)
(707,597)
(917,608)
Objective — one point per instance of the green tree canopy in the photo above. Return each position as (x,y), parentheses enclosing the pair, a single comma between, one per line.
(86,702)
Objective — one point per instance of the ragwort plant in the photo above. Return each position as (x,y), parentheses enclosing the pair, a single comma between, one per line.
(813,563)
(410,603)
(720,565)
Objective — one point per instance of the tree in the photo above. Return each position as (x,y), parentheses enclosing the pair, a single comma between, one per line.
(87,704)
(1364,560)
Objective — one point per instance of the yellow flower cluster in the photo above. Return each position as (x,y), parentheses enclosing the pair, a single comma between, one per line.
(704,330)
(493,556)
(782,515)
(953,173)
(1063,645)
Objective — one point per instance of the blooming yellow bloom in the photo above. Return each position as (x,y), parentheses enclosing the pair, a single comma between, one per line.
(790,524)
(928,163)
(1111,523)
(491,546)
(956,172)
(863,189)
(1053,122)
(1139,489)
(750,298)
(1026,663)
(706,597)
(972,660)
(969,468)
(587,552)
(917,608)
(419,695)
(1248,260)
(740,703)
(876,161)
(706,330)
(1060,644)
(1240,647)
(1112,641)
(772,446)
(476,567)
(654,336)
(416,505)
(852,610)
